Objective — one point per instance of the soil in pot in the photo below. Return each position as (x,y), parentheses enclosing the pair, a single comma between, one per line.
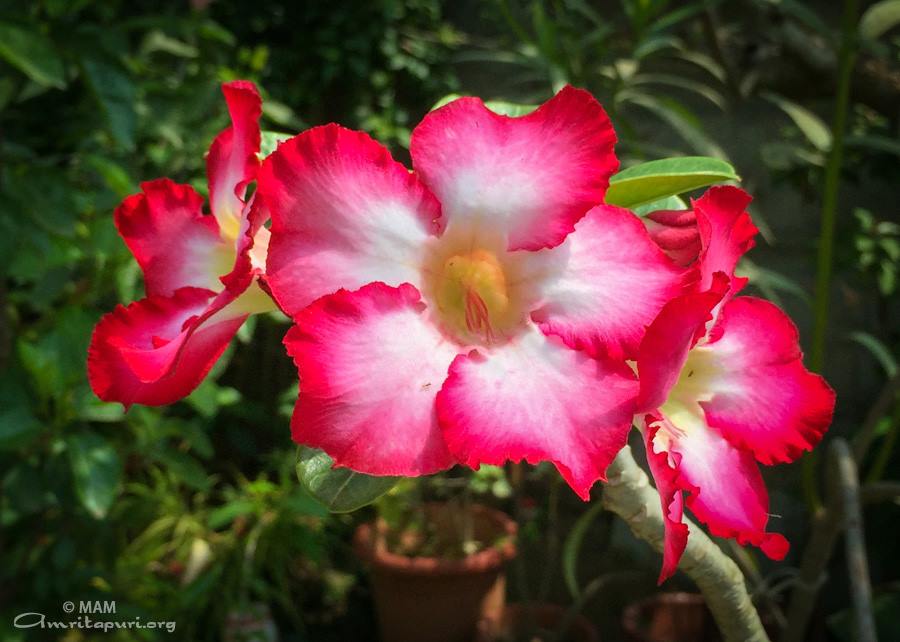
(670,617)
(438,599)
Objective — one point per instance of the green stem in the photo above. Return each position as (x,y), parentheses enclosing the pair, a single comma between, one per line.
(825,261)
(629,495)
(887,448)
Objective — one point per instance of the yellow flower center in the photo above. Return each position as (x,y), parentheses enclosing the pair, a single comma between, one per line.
(472,294)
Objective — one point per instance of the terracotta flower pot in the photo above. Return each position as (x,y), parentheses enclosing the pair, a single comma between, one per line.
(430,599)
(670,617)
(518,622)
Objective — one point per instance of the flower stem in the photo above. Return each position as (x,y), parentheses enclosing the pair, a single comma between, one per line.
(628,494)
(821,304)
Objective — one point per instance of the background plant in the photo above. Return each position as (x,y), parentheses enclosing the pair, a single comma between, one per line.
(97,96)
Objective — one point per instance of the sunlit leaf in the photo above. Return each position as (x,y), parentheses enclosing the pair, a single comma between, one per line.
(655,180)
(667,203)
(813,127)
(269,142)
(340,490)
(502,107)
(880,18)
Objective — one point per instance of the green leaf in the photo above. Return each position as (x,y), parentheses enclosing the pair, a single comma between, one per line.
(770,282)
(658,179)
(874,142)
(879,18)
(813,127)
(512,110)
(33,54)
(502,107)
(340,490)
(679,82)
(97,470)
(449,98)
(572,547)
(676,116)
(667,203)
(116,94)
(17,422)
(224,515)
(878,350)
(269,142)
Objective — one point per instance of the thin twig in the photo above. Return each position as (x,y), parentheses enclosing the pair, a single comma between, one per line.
(854,540)
(874,492)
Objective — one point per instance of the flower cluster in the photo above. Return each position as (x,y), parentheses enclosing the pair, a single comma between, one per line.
(486,306)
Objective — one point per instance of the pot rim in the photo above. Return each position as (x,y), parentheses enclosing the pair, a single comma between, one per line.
(371,547)
(631,616)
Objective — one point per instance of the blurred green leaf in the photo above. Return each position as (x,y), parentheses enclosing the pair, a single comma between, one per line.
(340,490)
(874,142)
(224,515)
(56,360)
(17,423)
(116,95)
(680,82)
(32,53)
(878,350)
(185,467)
(814,128)
(880,18)
(770,282)
(97,471)
(571,550)
(704,62)
(678,117)
(884,608)
(658,179)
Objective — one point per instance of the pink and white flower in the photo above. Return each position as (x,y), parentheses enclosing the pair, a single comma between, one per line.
(722,387)
(200,271)
(476,310)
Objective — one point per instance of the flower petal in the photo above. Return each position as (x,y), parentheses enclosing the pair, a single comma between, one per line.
(173,242)
(157,350)
(537,399)
(668,340)
(606,283)
(763,399)
(726,233)
(727,492)
(664,468)
(232,162)
(676,233)
(531,178)
(370,365)
(344,214)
